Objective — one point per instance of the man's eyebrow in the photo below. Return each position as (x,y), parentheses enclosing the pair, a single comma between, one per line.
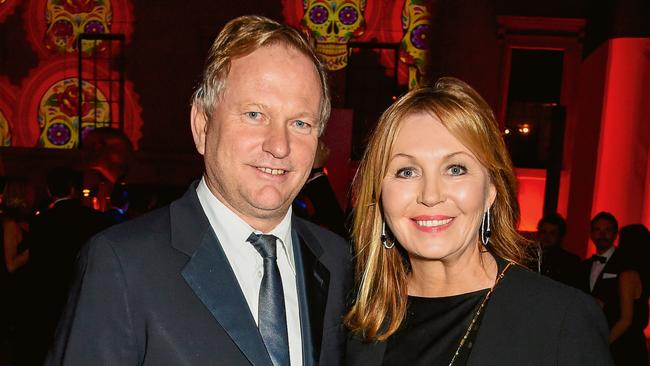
(305,114)
(253,105)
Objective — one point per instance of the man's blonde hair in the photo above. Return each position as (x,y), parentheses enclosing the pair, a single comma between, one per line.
(240,37)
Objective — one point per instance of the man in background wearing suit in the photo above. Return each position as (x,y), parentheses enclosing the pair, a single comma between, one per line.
(226,275)
(54,240)
(556,262)
(600,272)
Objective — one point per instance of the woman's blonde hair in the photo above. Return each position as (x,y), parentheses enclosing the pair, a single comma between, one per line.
(381,273)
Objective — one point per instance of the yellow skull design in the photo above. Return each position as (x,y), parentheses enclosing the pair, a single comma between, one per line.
(414,49)
(5,133)
(67,19)
(333,23)
(59,108)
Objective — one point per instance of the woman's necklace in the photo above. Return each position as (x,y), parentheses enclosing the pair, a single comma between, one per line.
(472,324)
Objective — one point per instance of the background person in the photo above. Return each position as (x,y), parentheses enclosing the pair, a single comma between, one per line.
(555,261)
(599,274)
(627,341)
(54,240)
(17,206)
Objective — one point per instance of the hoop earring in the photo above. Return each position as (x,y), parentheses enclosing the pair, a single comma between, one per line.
(486,232)
(388,244)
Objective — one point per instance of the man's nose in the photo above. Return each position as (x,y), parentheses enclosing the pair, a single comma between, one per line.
(276,142)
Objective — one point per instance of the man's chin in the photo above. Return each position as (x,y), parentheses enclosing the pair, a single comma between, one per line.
(271,207)
(603,247)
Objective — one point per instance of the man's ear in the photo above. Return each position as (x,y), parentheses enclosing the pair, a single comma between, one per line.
(199,128)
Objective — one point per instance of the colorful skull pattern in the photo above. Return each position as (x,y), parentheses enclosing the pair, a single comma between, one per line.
(5,133)
(67,19)
(58,110)
(416,19)
(333,23)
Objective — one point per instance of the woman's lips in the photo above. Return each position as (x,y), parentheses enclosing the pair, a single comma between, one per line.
(432,224)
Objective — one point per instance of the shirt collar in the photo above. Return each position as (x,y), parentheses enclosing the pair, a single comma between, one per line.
(232,230)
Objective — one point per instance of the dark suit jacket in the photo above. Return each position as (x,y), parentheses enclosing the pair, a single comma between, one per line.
(560,265)
(530,320)
(54,241)
(159,290)
(55,238)
(606,286)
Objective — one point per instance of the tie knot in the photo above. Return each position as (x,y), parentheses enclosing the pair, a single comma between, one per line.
(598,258)
(265,244)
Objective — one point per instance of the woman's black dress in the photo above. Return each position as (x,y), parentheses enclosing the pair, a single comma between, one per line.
(433,329)
(630,348)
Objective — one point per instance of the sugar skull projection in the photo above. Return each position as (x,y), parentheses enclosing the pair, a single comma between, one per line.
(5,133)
(416,18)
(58,110)
(67,19)
(333,23)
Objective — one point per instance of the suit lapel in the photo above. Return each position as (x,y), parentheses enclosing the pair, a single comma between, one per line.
(313,284)
(210,276)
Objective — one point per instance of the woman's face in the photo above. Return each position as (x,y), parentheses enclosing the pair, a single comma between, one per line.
(435,191)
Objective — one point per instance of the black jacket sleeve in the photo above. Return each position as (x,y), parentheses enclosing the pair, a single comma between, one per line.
(582,339)
(96,327)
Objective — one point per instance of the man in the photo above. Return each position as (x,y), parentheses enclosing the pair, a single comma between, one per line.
(556,262)
(195,283)
(108,152)
(600,272)
(54,240)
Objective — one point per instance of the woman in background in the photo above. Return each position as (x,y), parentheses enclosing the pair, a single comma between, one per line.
(627,341)
(17,208)
(438,255)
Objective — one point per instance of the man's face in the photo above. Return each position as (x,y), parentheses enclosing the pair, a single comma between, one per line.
(260,144)
(603,234)
(548,235)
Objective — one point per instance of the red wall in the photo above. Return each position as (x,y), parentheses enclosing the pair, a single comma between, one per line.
(591,84)
(621,182)
(611,157)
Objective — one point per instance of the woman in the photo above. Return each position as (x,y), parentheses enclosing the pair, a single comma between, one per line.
(627,341)
(438,254)
(17,209)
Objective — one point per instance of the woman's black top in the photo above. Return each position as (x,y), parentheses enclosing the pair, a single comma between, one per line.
(433,329)
(630,349)
(529,320)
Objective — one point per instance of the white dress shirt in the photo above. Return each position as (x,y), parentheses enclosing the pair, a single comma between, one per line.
(597,267)
(248,265)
